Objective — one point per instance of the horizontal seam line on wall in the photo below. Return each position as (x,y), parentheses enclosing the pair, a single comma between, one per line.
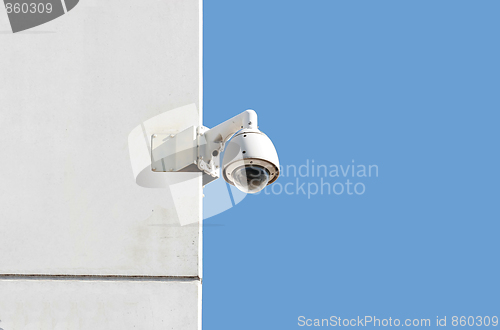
(99,277)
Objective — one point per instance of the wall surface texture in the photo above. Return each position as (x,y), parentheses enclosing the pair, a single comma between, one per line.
(110,253)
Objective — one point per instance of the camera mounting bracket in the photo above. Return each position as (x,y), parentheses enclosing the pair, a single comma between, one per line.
(197,148)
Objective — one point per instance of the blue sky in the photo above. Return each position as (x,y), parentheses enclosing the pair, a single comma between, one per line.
(409,86)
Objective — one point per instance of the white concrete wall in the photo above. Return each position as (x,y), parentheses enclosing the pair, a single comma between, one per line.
(75,305)
(71,91)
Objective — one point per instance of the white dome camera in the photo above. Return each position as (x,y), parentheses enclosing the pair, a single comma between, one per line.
(250,159)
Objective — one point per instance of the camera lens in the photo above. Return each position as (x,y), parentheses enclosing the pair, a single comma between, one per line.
(251,179)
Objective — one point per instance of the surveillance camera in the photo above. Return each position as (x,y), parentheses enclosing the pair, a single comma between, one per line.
(250,161)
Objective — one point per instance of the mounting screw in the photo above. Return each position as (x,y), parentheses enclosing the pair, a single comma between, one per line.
(154,135)
(171,135)
(154,169)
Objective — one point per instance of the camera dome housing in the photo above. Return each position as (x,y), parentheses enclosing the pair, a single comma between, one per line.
(250,178)
(250,161)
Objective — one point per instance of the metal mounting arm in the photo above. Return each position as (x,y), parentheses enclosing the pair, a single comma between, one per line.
(224,131)
(211,142)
